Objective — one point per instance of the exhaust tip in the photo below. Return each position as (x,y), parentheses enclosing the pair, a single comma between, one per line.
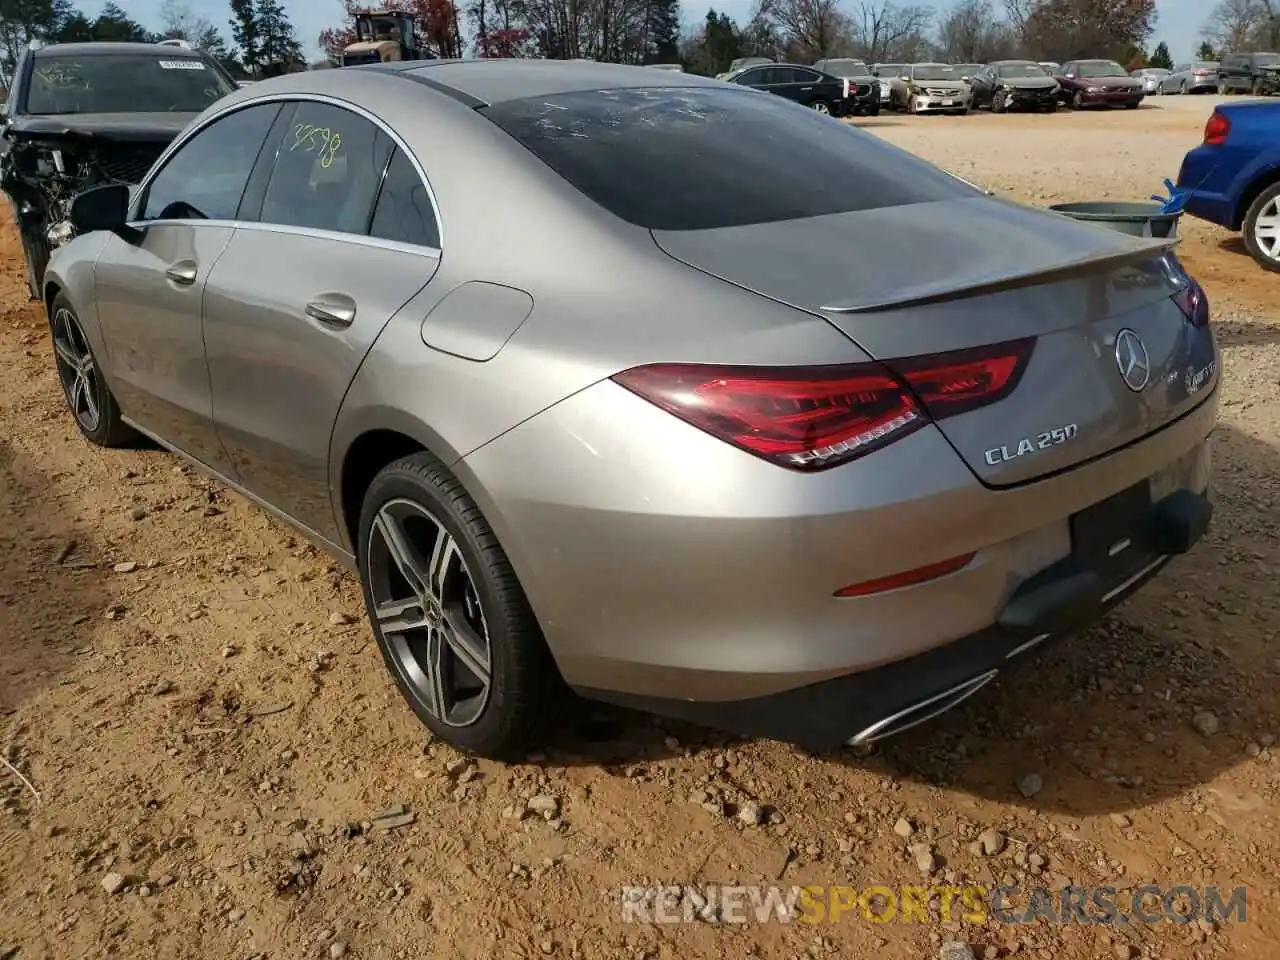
(918,713)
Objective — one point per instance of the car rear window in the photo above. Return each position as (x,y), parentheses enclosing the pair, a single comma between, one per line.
(695,158)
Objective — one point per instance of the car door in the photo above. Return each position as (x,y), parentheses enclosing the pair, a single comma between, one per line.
(347,233)
(150,289)
(802,86)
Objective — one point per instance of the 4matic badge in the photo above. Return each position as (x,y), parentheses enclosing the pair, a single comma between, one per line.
(1041,441)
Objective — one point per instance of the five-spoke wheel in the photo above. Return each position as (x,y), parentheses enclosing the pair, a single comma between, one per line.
(83,384)
(451,620)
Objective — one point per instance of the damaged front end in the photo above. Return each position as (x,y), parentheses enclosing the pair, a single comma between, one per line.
(42,170)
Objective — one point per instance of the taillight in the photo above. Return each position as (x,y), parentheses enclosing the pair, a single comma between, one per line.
(1193,303)
(1199,73)
(1217,129)
(812,418)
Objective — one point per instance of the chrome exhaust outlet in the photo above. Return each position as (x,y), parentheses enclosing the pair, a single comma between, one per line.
(920,712)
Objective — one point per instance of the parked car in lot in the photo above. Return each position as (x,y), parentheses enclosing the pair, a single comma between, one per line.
(660,439)
(1051,67)
(1200,76)
(81,114)
(888,74)
(931,88)
(673,67)
(1233,177)
(1150,77)
(965,71)
(865,87)
(741,63)
(1099,83)
(1256,73)
(1012,85)
(822,92)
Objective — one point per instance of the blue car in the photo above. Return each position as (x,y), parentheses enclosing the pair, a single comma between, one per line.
(1233,178)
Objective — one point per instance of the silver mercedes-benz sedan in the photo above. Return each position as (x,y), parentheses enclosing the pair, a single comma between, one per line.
(599,391)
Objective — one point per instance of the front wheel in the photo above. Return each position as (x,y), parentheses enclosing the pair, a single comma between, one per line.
(83,385)
(451,620)
(1262,229)
(1256,89)
(36,251)
(1077,101)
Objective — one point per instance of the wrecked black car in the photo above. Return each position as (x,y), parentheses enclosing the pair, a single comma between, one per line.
(84,114)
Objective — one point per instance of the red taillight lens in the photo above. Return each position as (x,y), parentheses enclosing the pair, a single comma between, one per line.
(1199,73)
(908,578)
(1217,129)
(1191,300)
(952,383)
(807,418)
(812,418)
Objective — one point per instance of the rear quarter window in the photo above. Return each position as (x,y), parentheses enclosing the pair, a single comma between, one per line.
(696,158)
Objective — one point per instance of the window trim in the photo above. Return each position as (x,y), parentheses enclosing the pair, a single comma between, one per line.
(136,205)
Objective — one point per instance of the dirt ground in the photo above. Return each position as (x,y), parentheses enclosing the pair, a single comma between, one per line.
(194,695)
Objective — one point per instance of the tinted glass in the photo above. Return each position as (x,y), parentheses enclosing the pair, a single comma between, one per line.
(206,177)
(804,76)
(749,77)
(843,68)
(1100,68)
(698,158)
(327,172)
(934,72)
(123,83)
(404,210)
(1022,70)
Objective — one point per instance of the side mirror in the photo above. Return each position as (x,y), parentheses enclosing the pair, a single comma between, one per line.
(101,208)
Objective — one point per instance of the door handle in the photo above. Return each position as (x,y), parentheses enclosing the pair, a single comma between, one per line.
(332,309)
(806,89)
(183,272)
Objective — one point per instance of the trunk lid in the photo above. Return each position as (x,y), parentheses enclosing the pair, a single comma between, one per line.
(929,278)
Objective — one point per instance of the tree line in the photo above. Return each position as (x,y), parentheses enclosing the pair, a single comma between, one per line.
(262,39)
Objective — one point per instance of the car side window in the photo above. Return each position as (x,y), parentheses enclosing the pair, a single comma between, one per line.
(750,76)
(327,171)
(205,178)
(404,212)
(804,76)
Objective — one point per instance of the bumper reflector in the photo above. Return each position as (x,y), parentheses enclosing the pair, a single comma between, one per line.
(908,578)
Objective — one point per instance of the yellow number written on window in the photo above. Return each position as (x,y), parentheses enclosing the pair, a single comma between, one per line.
(322,141)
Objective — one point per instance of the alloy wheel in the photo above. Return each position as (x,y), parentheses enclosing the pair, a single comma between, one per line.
(821,107)
(76,369)
(1266,229)
(428,611)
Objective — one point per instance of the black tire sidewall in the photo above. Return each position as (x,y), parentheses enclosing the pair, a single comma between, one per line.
(36,251)
(110,427)
(1250,218)
(402,480)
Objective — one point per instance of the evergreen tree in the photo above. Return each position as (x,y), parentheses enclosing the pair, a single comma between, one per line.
(663,31)
(244,33)
(1161,57)
(114,24)
(1206,52)
(278,46)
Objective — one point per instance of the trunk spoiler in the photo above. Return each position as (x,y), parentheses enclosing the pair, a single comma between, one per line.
(926,293)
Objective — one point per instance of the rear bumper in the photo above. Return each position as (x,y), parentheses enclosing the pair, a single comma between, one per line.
(1200,175)
(863,707)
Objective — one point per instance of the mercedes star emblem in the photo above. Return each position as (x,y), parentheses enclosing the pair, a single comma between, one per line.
(1132,359)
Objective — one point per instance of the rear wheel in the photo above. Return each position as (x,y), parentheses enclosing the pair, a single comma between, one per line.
(1262,229)
(449,615)
(85,388)
(821,106)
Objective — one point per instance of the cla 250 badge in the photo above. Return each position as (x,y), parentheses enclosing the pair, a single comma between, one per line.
(1041,441)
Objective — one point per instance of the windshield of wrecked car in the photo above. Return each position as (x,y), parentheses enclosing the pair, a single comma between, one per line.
(123,83)
(698,158)
(845,68)
(934,73)
(1018,71)
(1100,68)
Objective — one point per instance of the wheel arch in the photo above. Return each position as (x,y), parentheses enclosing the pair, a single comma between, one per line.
(1257,185)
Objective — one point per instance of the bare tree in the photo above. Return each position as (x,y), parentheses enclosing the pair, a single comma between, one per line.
(1233,24)
(812,29)
(885,31)
(971,33)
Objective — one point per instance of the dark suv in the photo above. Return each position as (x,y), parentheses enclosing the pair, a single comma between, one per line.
(84,114)
(1256,73)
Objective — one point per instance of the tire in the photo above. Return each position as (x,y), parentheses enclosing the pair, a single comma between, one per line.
(1222,89)
(1132,106)
(92,406)
(476,595)
(1267,204)
(821,106)
(873,110)
(1256,88)
(997,103)
(1077,100)
(36,251)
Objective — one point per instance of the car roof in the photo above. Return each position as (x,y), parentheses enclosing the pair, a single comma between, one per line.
(104,48)
(1018,63)
(497,81)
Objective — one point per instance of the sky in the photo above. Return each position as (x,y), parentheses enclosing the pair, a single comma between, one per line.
(1179,24)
